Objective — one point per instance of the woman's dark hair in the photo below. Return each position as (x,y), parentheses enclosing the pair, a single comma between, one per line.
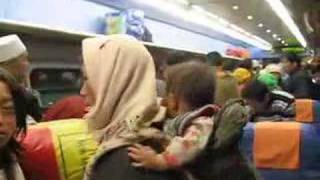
(255,90)
(193,81)
(13,147)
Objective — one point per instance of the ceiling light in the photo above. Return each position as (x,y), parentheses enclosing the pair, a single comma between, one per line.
(286,44)
(268,31)
(198,8)
(260,25)
(279,39)
(282,12)
(249,17)
(283,42)
(235,7)
(274,35)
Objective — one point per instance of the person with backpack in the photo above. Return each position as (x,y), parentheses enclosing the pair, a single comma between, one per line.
(192,142)
(268,104)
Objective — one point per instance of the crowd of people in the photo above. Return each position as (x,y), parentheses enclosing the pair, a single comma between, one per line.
(185,126)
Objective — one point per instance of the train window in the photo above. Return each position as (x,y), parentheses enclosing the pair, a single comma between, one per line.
(53,84)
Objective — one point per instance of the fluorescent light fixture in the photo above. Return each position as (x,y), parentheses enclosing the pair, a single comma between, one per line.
(268,31)
(279,39)
(249,17)
(282,12)
(274,35)
(195,14)
(260,25)
(235,7)
(198,8)
(286,44)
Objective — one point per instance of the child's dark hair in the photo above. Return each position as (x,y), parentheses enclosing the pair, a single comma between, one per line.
(193,82)
(255,90)
(13,147)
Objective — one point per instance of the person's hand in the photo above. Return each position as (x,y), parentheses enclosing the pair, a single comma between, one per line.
(145,156)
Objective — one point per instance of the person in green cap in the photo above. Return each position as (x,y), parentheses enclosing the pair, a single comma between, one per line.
(270,80)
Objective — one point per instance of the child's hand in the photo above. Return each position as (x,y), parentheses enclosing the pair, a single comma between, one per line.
(144,156)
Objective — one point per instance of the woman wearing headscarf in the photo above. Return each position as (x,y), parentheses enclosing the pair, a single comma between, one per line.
(120,88)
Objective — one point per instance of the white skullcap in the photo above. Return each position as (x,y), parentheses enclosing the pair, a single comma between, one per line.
(11,47)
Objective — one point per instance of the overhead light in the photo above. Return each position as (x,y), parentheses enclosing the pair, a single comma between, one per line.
(198,8)
(286,44)
(249,17)
(274,35)
(282,12)
(283,42)
(235,7)
(260,25)
(279,39)
(268,31)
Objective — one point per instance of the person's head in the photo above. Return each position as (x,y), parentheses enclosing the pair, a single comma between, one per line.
(119,83)
(14,57)
(257,95)
(274,69)
(214,59)
(242,76)
(291,62)
(13,110)
(190,85)
(246,64)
